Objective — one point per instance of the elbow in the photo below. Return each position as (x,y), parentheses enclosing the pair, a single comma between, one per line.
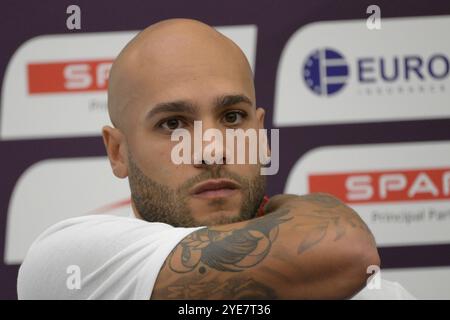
(352,264)
(362,260)
(372,257)
(339,272)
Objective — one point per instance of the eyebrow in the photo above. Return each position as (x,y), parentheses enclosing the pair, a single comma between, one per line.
(183,106)
(231,99)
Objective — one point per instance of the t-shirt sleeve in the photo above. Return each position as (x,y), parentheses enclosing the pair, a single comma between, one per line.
(388,290)
(97,257)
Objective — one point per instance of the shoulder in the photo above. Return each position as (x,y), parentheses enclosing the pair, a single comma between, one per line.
(111,253)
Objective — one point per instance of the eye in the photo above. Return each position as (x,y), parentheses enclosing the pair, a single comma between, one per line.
(234,117)
(172,124)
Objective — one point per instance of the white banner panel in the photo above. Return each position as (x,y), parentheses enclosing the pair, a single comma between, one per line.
(401,190)
(341,72)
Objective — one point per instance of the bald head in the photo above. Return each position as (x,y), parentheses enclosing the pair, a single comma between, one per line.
(162,62)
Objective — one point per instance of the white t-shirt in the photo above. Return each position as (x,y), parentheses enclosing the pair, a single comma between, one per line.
(115,258)
(388,291)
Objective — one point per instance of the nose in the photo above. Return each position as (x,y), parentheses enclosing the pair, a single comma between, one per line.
(212,149)
(203,162)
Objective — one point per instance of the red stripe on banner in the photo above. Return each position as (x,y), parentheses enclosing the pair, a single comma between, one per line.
(384,186)
(70,76)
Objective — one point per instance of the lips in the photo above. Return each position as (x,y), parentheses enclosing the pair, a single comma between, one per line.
(215,188)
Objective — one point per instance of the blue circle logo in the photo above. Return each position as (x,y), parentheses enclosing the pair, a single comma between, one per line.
(325,72)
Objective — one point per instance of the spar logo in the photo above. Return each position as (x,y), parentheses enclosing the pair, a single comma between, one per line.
(325,71)
(69,76)
(385,186)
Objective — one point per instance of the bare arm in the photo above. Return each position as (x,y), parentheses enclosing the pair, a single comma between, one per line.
(305,247)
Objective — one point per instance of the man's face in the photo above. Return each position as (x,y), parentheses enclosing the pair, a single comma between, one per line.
(172,94)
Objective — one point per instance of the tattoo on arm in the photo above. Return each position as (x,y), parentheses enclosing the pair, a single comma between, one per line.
(224,250)
(233,288)
(323,200)
(334,215)
(228,250)
(239,249)
(236,250)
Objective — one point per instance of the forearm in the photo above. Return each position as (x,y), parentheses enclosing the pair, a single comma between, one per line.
(324,212)
(305,248)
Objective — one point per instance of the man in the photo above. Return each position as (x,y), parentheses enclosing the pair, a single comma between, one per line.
(196,235)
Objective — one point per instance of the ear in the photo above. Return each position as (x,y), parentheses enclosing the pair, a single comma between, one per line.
(260,115)
(116,149)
